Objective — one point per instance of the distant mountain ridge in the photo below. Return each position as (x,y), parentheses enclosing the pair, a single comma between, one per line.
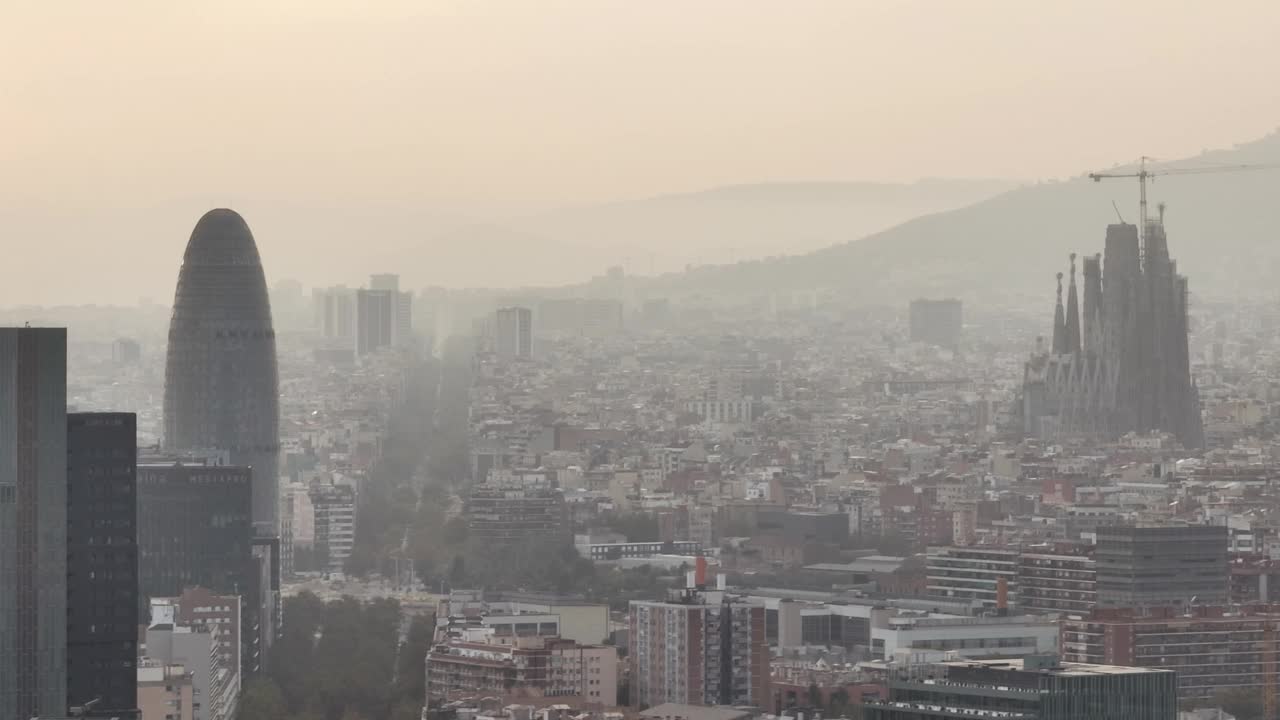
(1223,230)
(733,222)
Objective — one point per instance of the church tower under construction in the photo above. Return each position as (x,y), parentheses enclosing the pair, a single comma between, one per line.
(1119,360)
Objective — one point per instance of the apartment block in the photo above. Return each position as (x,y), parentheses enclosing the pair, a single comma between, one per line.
(987,575)
(1056,579)
(689,650)
(482,663)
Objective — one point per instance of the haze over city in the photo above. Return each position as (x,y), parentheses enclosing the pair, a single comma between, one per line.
(605,360)
(435,135)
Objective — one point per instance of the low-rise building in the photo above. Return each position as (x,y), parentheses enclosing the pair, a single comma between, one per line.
(971,637)
(538,667)
(1056,579)
(987,574)
(1033,688)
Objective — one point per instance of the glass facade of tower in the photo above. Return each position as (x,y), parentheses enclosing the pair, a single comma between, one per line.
(102,562)
(33,522)
(221,380)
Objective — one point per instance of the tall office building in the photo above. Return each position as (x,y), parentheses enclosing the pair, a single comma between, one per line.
(334,523)
(936,322)
(195,529)
(375,320)
(102,563)
(221,386)
(402,306)
(335,312)
(513,333)
(692,651)
(1121,363)
(1151,566)
(33,522)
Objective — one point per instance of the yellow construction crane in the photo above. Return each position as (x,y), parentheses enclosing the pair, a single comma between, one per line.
(1143,174)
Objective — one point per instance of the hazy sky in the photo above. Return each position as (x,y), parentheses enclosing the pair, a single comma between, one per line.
(121,121)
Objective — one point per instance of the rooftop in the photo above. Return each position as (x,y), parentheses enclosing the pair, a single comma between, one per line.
(1062,668)
(678,711)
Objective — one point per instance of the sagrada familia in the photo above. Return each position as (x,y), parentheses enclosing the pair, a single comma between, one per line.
(1119,361)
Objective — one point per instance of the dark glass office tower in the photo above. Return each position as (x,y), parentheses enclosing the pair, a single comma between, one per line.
(33,522)
(195,529)
(102,563)
(221,383)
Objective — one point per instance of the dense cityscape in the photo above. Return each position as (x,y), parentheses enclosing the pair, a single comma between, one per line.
(639,361)
(608,505)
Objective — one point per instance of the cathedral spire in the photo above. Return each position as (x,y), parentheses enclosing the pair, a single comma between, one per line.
(1073,312)
(1059,324)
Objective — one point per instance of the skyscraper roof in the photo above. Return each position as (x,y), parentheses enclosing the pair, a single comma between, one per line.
(221,237)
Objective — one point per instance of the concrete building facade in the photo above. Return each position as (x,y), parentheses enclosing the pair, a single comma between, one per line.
(165,692)
(215,692)
(1056,580)
(528,666)
(699,653)
(1213,648)
(985,574)
(221,616)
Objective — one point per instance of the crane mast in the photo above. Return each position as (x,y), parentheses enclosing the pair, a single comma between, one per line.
(1143,174)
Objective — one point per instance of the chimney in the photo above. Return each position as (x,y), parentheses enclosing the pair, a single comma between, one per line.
(1002,595)
(700,572)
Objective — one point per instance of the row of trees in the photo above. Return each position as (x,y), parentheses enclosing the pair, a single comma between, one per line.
(389,496)
(341,660)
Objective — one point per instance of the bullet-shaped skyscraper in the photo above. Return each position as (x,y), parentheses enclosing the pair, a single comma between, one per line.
(221,383)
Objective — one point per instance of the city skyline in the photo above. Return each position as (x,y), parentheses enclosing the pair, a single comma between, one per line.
(438,136)
(603,360)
